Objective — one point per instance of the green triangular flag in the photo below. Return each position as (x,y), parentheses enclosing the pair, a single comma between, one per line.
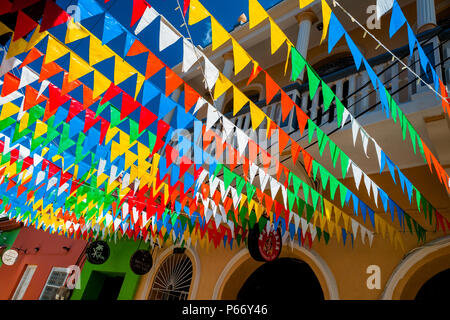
(314,196)
(239,185)
(309,212)
(408,222)
(296,183)
(311,128)
(300,206)
(313,81)
(319,233)
(322,140)
(326,236)
(418,197)
(334,183)
(228,177)
(328,96)
(250,191)
(305,191)
(315,166)
(344,163)
(324,175)
(291,199)
(343,192)
(339,111)
(334,152)
(412,134)
(298,64)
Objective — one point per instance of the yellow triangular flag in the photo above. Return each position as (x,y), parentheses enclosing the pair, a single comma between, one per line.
(391,232)
(239,100)
(346,220)
(277,37)
(222,85)
(55,50)
(74,32)
(326,13)
(36,37)
(98,52)
(257,115)
(337,215)
(4,29)
(328,209)
(331,228)
(16,47)
(304,3)
(197,12)
(130,158)
(41,128)
(101,84)
(256,13)
(8,109)
(218,34)
(78,67)
(338,233)
(241,58)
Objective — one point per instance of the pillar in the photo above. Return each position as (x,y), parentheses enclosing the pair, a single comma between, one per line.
(305,20)
(426,15)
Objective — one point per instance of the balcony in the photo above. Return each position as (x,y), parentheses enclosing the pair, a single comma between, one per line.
(355,90)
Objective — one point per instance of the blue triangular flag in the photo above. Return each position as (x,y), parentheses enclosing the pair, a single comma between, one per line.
(397,19)
(335,32)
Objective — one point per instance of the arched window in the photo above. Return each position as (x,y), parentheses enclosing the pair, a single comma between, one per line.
(173,279)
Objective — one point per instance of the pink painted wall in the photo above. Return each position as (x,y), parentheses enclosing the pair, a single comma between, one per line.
(51,254)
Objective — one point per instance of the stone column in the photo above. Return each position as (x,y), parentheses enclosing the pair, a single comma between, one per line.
(305,20)
(426,15)
(227,72)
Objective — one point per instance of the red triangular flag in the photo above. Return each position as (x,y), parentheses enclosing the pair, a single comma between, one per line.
(53,16)
(186,6)
(128,106)
(88,99)
(90,120)
(75,108)
(24,25)
(445,101)
(112,91)
(139,7)
(55,101)
(10,84)
(146,118)
(271,89)
(254,74)
(286,105)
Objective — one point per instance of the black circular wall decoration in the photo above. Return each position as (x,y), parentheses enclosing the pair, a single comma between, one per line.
(264,245)
(141,262)
(97,252)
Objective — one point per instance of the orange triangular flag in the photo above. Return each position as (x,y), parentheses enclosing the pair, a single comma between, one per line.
(31,98)
(173,81)
(48,70)
(153,65)
(136,48)
(69,86)
(283,140)
(302,119)
(10,84)
(295,150)
(307,159)
(286,105)
(33,55)
(190,97)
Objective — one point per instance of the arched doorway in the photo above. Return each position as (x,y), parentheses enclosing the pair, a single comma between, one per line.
(282,279)
(436,288)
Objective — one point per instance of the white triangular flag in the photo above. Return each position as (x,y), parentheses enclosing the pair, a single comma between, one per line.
(149,15)
(263,179)
(304,226)
(378,150)
(357,173)
(355,130)
(296,221)
(383,6)
(242,140)
(274,186)
(44,85)
(355,225)
(189,55)
(368,183)
(375,193)
(211,74)
(208,215)
(200,103)
(365,141)
(228,127)
(167,36)
(252,172)
(284,193)
(345,116)
(370,236)
(211,117)
(313,231)
(363,234)
(28,76)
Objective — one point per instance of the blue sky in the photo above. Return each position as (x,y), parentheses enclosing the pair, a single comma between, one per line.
(225,11)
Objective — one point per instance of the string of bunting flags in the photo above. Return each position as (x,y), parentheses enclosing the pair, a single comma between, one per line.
(98,82)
